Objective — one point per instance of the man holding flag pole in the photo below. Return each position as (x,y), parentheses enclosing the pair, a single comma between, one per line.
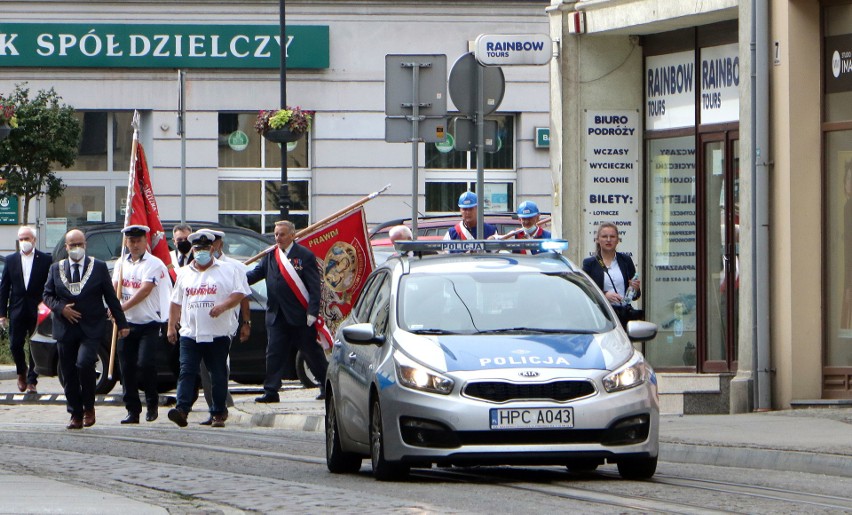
(141,212)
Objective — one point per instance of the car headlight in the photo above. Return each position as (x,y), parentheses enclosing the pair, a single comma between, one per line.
(417,377)
(628,375)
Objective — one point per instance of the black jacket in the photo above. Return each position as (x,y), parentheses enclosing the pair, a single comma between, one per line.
(90,301)
(15,300)
(281,299)
(597,272)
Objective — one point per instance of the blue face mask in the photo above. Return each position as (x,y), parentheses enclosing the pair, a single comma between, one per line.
(203,257)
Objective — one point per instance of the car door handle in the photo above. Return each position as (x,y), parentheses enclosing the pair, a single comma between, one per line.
(353,357)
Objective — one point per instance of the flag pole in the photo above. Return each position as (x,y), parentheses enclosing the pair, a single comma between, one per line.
(322,222)
(127,209)
(540,223)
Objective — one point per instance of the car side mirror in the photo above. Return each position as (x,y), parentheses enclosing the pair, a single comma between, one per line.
(363,334)
(641,331)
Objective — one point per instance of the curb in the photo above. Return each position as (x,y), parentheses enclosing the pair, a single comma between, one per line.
(289,421)
(744,457)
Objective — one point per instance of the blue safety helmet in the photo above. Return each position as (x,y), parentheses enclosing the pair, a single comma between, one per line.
(527,209)
(467,199)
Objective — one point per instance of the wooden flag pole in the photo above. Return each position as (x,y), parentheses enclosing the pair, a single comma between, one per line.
(131,178)
(540,223)
(322,222)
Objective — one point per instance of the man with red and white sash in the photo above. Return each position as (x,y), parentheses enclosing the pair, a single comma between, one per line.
(293,284)
(204,298)
(466,229)
(529,215)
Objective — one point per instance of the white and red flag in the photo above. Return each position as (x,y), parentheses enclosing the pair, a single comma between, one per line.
(142,205)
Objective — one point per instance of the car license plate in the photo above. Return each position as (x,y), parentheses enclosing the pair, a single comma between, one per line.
(532,418)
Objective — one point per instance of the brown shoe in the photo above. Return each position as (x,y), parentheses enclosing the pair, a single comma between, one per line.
(75,423)
(31,388)
(22,382)
(89,417)
(218,421)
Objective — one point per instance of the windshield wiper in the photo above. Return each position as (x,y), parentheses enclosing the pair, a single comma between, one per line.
(431,331)
(539,330)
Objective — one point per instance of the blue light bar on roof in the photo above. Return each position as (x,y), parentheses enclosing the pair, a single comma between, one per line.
(479,245)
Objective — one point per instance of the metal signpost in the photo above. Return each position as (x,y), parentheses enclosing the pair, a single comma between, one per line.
(415,107)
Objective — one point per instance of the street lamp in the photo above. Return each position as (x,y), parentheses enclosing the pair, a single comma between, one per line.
(284,190)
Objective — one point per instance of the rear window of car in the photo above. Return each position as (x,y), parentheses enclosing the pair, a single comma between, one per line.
(497,302)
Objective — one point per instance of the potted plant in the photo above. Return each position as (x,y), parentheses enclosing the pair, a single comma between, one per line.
(283,125)
(8,120)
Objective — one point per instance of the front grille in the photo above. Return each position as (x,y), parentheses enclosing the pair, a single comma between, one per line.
(500,391)
(531,437)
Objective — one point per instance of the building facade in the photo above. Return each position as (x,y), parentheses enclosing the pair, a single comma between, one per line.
(717,135)
(107,59)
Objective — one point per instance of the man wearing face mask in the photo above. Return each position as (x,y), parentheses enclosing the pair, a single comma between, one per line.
(182,254)
(203,301)
(21,288)
(75,291)
(529,215)
(243,316)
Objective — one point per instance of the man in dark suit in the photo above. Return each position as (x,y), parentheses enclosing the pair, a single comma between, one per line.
(21,288)
(75,291)
(294,287)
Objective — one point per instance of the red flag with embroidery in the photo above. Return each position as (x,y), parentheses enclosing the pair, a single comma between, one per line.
(345,259)
(142,209)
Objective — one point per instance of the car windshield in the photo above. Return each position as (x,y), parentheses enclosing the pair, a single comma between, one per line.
(500,303)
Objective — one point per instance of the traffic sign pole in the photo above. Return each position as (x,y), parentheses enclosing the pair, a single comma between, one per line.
(480,151)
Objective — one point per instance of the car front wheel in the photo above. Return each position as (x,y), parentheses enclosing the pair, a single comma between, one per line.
(637,468)
(336,459)
(383,470)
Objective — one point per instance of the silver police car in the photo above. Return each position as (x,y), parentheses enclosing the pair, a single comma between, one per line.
(488,357)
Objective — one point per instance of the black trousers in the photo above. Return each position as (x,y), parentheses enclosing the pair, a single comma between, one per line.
(137,356)
(77,357)
(281,338)
(19,329)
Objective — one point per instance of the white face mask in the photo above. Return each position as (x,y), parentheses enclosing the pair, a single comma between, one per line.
(77,253)
(26,246)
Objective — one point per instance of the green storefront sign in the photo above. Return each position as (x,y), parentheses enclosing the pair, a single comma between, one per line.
(27,45)
(9,210)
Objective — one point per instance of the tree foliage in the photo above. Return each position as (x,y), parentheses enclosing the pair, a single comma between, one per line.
(47,136)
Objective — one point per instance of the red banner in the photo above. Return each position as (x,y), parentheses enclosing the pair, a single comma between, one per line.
(142,210)
(344,255)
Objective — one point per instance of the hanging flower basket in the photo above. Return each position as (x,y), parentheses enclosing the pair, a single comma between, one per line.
(8,120)
(284,135)
(283,125)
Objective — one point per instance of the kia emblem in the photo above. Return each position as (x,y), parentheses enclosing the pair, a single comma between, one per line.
(528,373)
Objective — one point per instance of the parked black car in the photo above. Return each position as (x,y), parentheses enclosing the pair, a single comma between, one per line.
(103,240)
(248,360)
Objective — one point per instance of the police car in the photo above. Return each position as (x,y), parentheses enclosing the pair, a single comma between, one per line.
(488,357)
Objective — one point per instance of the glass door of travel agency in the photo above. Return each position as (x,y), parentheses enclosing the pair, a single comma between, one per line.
(718,264)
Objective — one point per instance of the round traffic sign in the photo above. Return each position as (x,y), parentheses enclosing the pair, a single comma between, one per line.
(463,85)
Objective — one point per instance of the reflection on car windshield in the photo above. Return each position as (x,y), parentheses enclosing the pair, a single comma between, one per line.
(499,303)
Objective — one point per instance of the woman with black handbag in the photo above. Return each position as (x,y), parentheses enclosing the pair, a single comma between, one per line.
(614,273)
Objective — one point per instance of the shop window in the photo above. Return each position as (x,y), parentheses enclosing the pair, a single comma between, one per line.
(105,141)
(254,203)
(439,156)
(671,251)
(442,197)
(838,170)
(79,204)
(241,147)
